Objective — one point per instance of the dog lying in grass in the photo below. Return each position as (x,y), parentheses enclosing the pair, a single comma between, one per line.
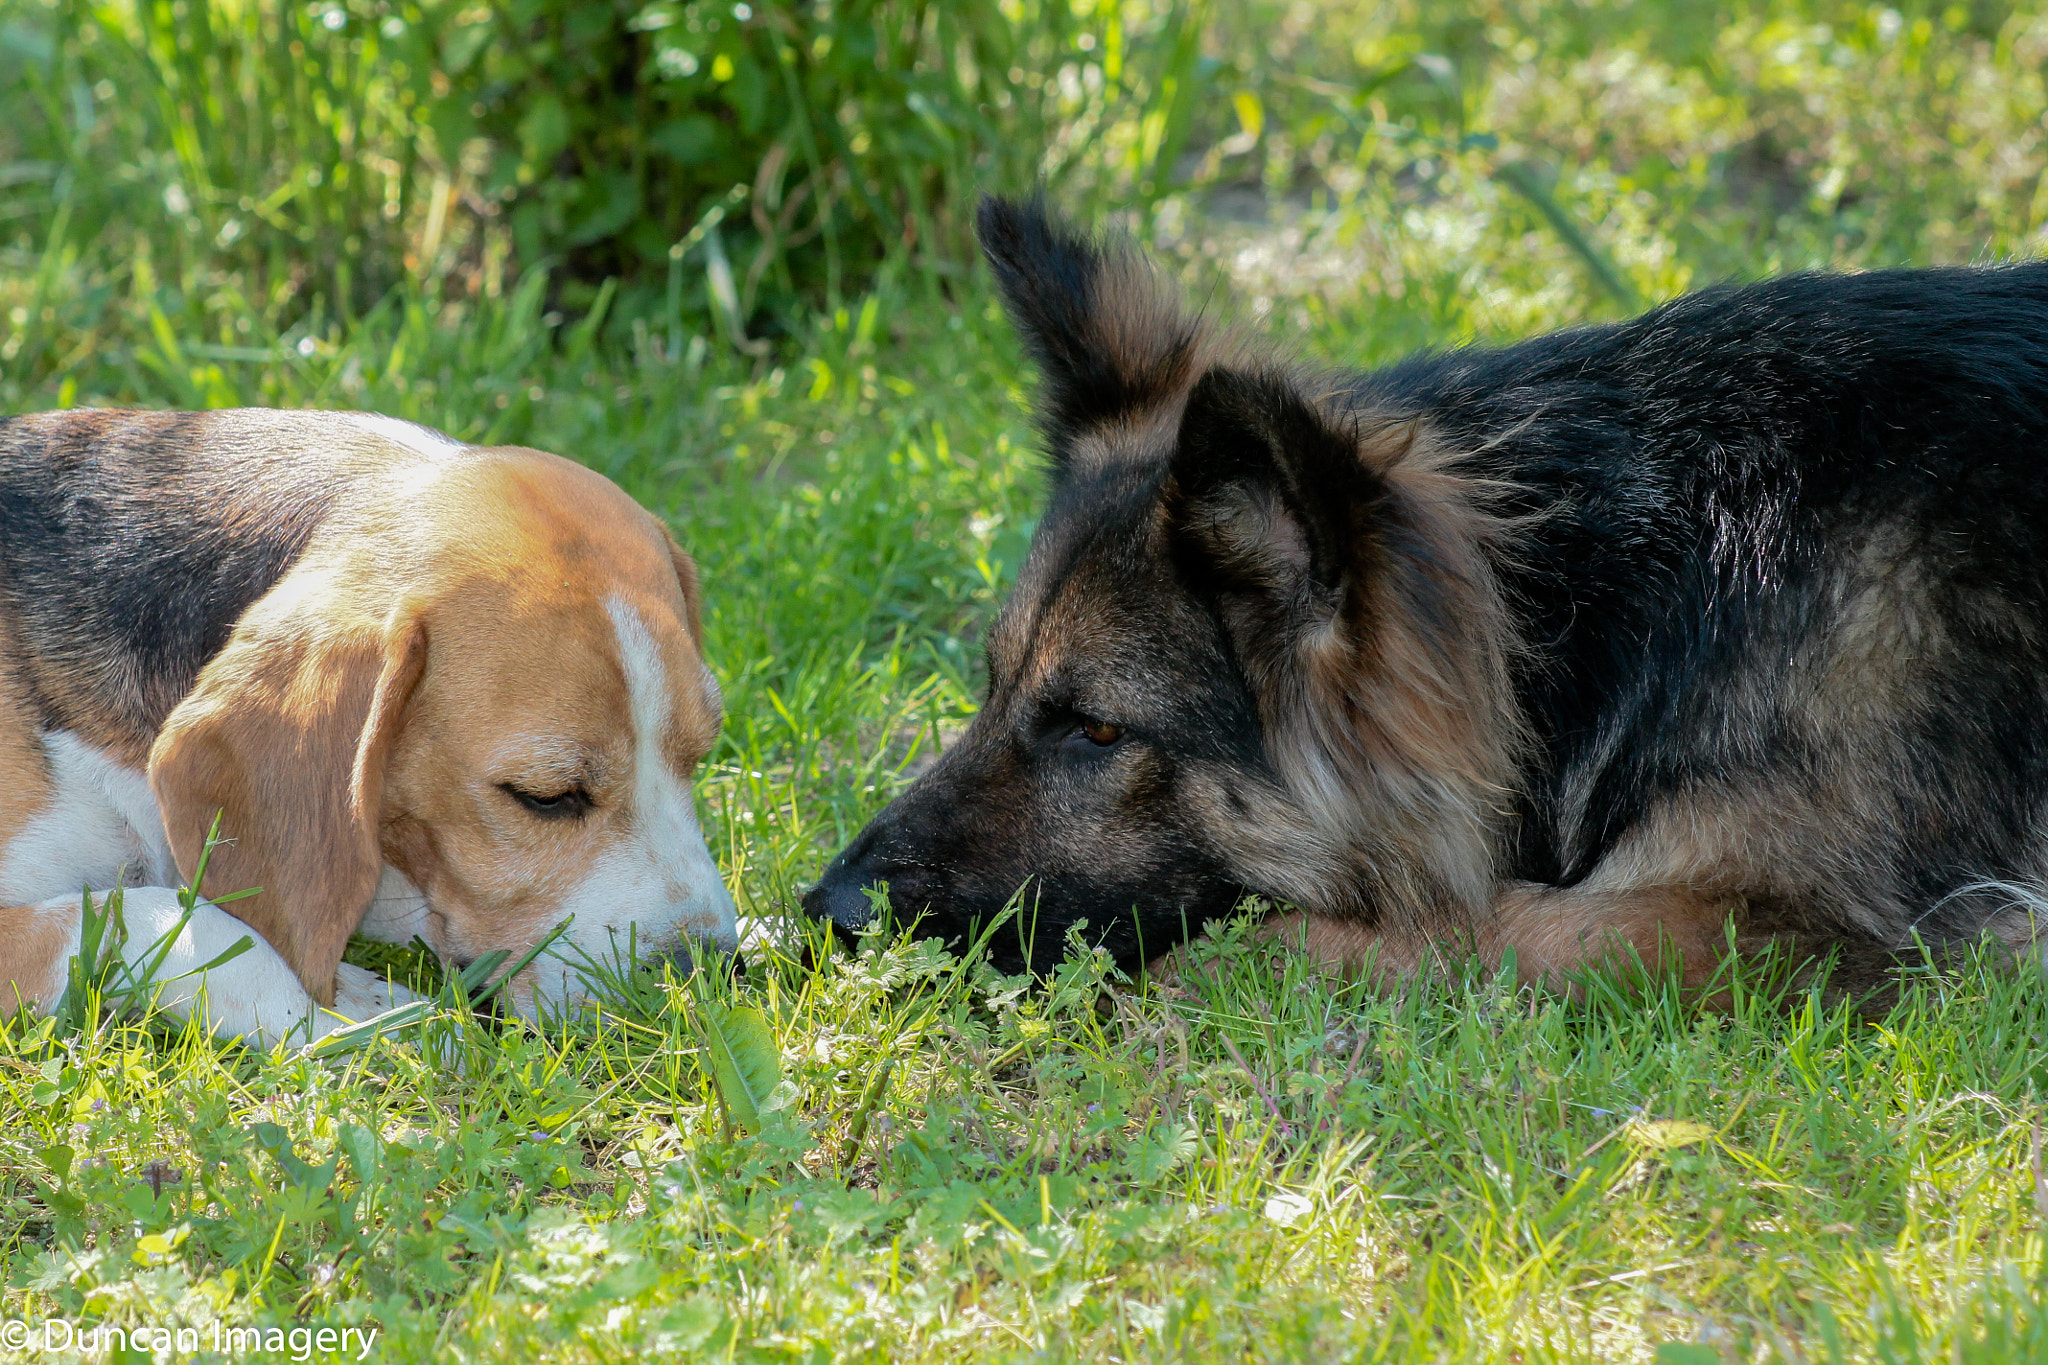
(426,689)
(1727,625)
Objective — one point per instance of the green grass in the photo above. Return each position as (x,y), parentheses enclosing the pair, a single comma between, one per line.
(1254,1163)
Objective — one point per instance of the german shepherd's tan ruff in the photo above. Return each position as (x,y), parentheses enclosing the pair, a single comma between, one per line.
(1735,615)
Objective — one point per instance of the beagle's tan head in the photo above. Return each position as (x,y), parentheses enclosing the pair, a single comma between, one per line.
(471,709)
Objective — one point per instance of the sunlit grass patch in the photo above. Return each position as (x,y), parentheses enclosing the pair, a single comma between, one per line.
(1254,1162)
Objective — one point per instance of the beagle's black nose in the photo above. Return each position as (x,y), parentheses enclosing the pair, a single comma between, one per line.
(685,961)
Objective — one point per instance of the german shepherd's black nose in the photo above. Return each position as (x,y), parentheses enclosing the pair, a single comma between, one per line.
(918,881)
(841,898)
(842,894)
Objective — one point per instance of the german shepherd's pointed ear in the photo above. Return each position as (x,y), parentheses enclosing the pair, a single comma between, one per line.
(286,736)
(1110,337)
(1265,494)
(1352,559)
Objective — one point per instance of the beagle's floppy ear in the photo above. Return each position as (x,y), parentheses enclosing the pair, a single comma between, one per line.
(286,735)
(686,575)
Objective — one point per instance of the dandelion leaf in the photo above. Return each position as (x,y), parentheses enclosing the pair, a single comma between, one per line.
(744,1062)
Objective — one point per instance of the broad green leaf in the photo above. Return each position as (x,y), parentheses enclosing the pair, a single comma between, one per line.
(365,1150)
(1686,1353)
(744,1063)
(302,1174)
(545,130)
(58,1158)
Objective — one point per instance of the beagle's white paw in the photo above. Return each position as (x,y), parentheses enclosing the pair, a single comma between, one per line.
(360,993)
(195,967)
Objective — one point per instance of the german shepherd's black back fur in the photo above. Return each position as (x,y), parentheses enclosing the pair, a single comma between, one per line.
(1737,611)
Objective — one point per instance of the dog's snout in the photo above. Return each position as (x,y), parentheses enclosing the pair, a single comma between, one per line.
(841,896)
(713,955)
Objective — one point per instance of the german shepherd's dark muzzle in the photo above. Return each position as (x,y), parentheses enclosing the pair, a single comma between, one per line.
(1731,616)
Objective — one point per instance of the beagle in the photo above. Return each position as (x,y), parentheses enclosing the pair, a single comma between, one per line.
(428,688)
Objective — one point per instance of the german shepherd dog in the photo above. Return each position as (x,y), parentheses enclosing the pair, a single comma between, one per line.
(1727,625)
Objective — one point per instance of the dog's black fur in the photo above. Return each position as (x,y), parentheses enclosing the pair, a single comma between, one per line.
(1734,611)
(129,548)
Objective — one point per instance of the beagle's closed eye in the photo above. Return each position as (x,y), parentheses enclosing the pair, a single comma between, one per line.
(571,803)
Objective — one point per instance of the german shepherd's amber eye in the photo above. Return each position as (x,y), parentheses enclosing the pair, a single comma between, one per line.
(1100,732)
(565,805)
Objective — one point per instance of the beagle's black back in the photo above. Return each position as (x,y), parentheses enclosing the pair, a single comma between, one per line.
(131,543)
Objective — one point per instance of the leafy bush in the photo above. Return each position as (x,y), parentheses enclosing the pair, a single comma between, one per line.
(248,179)
(311,154)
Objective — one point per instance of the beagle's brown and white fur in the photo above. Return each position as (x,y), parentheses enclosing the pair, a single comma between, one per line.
(429,688)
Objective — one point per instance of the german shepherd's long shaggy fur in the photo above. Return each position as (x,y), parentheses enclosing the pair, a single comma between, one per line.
(1588,648)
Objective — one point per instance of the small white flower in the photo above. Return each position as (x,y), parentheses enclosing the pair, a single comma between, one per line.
(1288,1208)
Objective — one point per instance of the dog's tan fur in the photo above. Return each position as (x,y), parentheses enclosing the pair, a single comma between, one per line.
(1390,731)
(448,633)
